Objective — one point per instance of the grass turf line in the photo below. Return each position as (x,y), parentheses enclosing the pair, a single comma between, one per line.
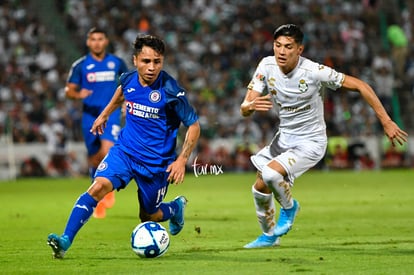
(350,223)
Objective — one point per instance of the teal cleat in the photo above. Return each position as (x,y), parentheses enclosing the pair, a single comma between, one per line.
(177,221)
(59,245)
(286,219)
(264,241)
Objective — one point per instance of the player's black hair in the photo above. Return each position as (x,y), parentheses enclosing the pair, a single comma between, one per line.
(151,41)
(290,30)
(97,30)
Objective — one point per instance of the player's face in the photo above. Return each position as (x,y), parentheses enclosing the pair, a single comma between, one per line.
(149,64)
(97,43)
(287,53)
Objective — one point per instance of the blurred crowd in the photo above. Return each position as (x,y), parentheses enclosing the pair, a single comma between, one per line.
(213,46)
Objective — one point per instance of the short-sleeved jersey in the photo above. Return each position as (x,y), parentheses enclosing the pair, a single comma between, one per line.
(297,95)
(102,77)
(153,116)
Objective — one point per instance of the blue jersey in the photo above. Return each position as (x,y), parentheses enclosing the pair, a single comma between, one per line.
(153,116)
(101,77)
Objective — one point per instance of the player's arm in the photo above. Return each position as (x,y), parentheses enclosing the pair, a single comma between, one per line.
(391,129)
(72,91)
(254,102)
(100,122)
(177,168)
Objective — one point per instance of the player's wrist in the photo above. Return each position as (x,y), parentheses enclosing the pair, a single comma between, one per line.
(247,108)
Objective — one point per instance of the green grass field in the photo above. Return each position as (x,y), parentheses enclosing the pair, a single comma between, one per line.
(350,223)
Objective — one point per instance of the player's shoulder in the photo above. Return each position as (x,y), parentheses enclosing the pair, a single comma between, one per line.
(170,85)
(79,61)
(308,64)
(268,61)
(128,76)
(113,56)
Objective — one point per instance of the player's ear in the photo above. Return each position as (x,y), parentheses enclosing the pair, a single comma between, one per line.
(134,59)
(300,49)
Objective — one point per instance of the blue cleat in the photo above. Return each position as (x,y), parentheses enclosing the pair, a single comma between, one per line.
(264,241)
(59,245)
(286,219)
(177,221)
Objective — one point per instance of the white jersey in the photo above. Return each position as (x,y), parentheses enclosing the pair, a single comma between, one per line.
(297,95)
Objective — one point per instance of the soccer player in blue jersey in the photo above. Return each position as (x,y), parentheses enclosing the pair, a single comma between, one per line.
(93,79)
(291,83)
(146,148)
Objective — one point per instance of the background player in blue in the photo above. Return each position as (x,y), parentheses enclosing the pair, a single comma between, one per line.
(146,148)
(94,78)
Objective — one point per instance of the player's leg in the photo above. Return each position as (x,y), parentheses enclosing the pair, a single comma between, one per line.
(151,194)
(108,139)
(274,176)
(172,211)
(113,173)
(109,200)
(265,212)
(294,156)
(81,212)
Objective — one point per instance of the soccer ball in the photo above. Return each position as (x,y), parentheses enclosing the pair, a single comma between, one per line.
(150,240)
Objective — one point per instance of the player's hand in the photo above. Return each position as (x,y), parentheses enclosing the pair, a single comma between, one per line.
(177,172)
(84,93)
(98,126)
(394,133)
(261,103)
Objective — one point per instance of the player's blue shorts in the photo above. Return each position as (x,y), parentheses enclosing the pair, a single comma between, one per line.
(120,169)
(111,132)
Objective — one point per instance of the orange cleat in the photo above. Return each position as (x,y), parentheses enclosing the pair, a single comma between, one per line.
(100,210)
(109,200)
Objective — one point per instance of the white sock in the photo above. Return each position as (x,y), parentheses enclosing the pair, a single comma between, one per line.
(265,211)
(284,196)
(279,187)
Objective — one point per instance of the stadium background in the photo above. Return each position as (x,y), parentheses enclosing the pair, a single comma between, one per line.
(212,48)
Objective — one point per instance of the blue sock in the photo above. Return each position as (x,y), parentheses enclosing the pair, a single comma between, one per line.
(168,209)
(81,212)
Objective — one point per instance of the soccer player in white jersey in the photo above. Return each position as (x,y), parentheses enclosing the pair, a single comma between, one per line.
(291,83)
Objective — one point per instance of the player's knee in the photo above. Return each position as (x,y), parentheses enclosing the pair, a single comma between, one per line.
(271,176)
(99,188)
(260,186)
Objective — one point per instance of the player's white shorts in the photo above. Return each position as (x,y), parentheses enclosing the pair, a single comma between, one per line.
(296,154)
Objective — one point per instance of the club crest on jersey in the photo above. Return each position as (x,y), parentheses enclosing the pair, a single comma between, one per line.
(303,87)
(111,65)
(155,96)
(102,166)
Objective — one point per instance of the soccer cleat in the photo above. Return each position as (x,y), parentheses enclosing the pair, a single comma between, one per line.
(177,221)
(58,244)
(286,219)
(100,211)
(264,241)
(109,200)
